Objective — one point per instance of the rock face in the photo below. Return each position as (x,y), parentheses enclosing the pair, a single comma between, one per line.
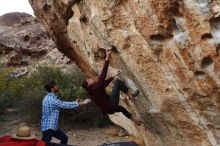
(169,49)
(24,43)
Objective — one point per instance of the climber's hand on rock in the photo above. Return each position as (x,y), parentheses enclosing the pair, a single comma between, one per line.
(108,54)
(117,74)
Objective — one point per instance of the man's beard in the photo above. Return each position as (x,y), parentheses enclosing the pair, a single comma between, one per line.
(56,90)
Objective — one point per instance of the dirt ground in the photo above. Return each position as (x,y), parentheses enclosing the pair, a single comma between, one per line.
(80,135)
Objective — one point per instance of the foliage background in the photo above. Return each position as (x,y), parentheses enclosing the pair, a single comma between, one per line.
(27,92)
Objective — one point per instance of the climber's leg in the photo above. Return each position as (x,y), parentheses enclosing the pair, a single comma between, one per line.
(127,114)
(114,97)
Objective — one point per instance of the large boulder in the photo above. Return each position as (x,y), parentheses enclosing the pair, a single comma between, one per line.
(169,49)
(24,43)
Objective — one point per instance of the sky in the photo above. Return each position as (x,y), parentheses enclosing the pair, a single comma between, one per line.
(7,6)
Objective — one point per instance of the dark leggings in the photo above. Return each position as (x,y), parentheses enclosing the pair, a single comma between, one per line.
(48,134)
(114,98)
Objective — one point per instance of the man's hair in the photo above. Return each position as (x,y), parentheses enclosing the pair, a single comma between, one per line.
(84,84)
(48,86)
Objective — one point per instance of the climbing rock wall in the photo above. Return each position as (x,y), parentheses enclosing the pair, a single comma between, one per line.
(169,49)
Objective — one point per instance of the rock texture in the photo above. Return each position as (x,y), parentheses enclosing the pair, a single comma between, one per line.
(169,49)
(24,43)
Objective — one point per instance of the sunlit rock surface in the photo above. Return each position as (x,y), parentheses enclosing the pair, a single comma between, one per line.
(169,49)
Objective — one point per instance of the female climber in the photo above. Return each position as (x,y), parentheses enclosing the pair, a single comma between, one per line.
(109,104)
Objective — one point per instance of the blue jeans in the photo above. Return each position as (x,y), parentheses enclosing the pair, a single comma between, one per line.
(114,98)
(48,134)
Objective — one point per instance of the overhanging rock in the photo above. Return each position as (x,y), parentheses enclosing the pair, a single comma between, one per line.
(168,48)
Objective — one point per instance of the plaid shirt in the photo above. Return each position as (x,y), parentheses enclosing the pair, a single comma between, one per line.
(51,109)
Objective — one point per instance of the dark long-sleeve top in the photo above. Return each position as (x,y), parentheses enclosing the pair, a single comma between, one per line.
(98,93)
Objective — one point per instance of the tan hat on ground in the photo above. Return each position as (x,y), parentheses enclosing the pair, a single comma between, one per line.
(23,132)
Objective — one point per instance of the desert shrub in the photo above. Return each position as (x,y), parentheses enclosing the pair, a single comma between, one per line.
(5,100)
(27,92)
(31,89)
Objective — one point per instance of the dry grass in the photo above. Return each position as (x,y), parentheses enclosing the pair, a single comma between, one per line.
(112,132)
(139,141)
(116,132)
